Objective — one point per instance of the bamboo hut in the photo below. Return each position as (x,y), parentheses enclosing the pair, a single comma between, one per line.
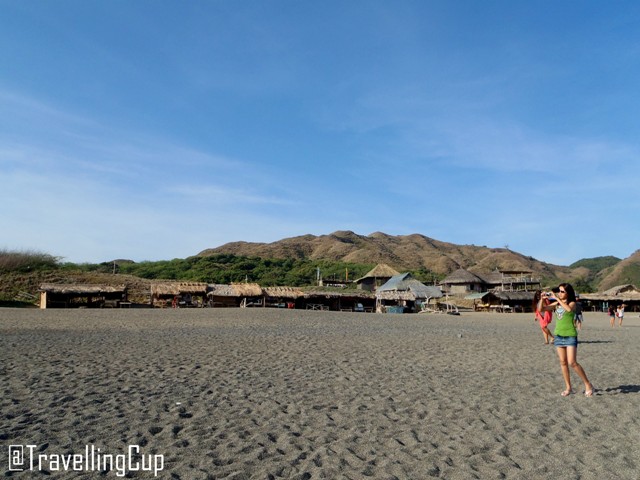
(282,297)
(461,282)
(502,302)
(627,294)
(344,300)
(511,280)
(403,293)
(82,295)
(178,294)
(376,277)
(235,295)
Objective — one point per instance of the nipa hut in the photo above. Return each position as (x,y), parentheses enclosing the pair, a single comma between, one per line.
(344,300)
(503,302)
(461,282)
(403,293)
(281,297)
(178,294)
(82,295)
(376,277)
(235,295)
(627,294)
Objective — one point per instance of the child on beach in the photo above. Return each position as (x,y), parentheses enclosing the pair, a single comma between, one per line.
(612,316)
(543,318)
(563,302)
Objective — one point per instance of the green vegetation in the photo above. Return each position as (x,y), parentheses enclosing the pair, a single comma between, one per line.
(596,264)
(220,268)
(630,274)
(26,261)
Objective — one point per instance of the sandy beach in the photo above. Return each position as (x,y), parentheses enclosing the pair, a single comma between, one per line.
(269,394)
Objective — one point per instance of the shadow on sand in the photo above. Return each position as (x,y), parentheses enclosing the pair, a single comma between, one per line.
(622,389)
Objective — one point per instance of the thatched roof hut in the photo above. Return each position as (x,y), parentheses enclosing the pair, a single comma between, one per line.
(233,295)
(462,276)
(327,299)
(406,292)
(519,301)
(168,289)
(404,286)
(627,294)
(463,281)
(282,292)
(382,270)
(246,289)
(620,293)
(81,295)
(510,280)
(81,289)
(376,277)
(161,292)
(234,290)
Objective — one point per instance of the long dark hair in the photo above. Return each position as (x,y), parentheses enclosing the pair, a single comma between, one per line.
(536,299)
(571,293)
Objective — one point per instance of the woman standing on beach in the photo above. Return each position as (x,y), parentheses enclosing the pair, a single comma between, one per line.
(543,317)
(620,314)
(563,301)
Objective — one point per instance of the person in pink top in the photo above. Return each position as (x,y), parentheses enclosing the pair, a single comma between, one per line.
(544,318)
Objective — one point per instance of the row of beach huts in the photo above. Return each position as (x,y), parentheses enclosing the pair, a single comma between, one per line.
(383,289)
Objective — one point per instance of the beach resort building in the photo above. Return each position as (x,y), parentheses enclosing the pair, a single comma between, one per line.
(376,277)
(403,293)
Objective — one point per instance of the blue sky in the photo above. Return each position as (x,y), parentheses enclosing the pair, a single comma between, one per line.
(152,130)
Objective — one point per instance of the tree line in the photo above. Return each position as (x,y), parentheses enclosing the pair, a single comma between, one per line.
(219,268)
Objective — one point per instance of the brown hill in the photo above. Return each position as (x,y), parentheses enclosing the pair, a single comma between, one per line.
(402,252)
(625,272)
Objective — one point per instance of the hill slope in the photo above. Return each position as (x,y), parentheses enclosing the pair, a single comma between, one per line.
(622,273)
(403,252)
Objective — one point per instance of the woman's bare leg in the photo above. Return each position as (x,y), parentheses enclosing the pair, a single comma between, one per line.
(564,366)
(572,353)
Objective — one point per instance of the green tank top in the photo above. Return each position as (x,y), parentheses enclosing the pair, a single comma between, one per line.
(564,323)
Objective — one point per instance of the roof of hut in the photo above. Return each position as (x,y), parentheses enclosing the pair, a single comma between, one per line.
(235,290)
(327,293)
(81,288)
(462,276)
(619,293)
(382,270)
(282,292)
(178,288)
(221,290)
(621,289)
(404,282)
(247,289)
(518,296)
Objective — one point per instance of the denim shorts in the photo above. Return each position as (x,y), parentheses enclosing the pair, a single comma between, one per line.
(565,341)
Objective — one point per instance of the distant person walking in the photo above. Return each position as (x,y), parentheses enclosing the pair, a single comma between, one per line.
(544,318)
(562,300)
(612,315)
(578,319)
(620,314)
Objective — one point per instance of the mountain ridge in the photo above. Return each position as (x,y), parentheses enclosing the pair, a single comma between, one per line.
(402,252)
(417,251)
